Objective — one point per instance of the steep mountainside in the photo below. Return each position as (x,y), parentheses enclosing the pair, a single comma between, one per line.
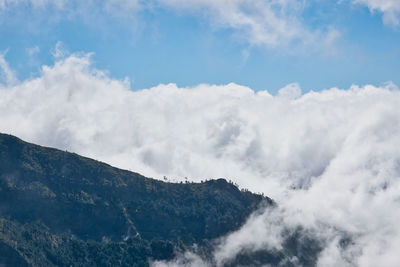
(58,208)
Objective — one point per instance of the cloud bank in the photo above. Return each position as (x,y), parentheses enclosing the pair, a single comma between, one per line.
(330,158)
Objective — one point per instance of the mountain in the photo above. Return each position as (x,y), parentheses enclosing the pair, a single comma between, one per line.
(62,209)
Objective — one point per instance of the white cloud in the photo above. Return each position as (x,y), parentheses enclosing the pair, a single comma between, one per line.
(7,75)
(389,8)
(186,259)
(60,51)
(290,91)
(270,23)
(262,231)
(33,50)
(338,148)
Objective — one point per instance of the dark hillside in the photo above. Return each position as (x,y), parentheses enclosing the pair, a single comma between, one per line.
(58,208)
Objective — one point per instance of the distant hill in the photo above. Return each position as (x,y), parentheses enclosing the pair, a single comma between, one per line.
(61,209)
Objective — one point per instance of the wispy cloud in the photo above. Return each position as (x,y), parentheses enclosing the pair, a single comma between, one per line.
(33,50)
(9,4)
(60,51)
(271,23)
(389,8)
(7,75)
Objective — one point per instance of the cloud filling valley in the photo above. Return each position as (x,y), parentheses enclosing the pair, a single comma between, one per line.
(330,159)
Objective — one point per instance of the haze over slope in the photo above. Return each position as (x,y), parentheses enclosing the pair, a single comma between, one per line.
(330,159)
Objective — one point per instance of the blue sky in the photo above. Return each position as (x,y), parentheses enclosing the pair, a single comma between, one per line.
(322,44)
(339,146)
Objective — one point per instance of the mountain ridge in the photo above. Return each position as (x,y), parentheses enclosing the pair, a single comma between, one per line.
(53,201)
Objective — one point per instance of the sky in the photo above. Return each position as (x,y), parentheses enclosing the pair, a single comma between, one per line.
(261,44)
(298,100)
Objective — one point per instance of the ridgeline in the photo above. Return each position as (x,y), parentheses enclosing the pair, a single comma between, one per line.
(62,209)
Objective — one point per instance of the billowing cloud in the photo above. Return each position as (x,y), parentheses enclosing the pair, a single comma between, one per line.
(330,159)
(389,8)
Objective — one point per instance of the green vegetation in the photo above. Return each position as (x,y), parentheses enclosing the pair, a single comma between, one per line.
(61,209)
